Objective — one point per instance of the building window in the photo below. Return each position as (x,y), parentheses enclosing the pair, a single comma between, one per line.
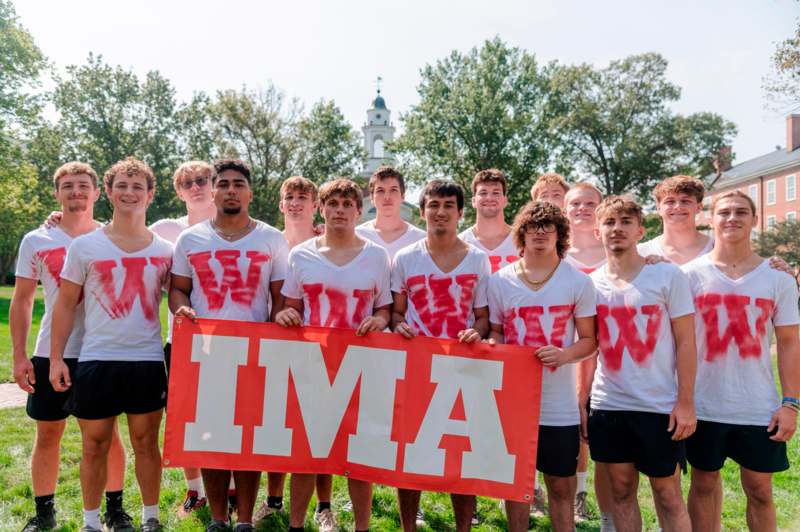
(772,195)
(771,221)
(752,191)
(791,188)
(791,216)
(753,234)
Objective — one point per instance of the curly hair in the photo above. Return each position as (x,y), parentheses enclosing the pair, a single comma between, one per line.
(74,168)
(300,184)
(619,205)
(386,172)
(130,166)
(341,187)
(680,184)
(537,214)
(237,165)
(491,175)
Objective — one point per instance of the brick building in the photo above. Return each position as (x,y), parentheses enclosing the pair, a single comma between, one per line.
(770,179)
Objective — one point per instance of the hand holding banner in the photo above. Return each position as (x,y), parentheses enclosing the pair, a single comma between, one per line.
(424,413)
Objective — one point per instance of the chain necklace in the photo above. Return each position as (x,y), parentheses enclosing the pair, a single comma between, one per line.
(233,236)
(536,285)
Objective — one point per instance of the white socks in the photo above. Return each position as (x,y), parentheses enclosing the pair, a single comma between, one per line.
(149,512)
(196,484)
(581,481)
(92,518)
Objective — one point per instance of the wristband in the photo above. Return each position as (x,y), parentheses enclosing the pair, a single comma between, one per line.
(792,400)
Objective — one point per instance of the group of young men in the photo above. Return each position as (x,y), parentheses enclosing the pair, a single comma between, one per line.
(681,327)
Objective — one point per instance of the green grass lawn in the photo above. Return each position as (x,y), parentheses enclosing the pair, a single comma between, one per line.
(16,501)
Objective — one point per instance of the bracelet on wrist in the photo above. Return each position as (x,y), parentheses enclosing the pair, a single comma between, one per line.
(794,400)
(791,406)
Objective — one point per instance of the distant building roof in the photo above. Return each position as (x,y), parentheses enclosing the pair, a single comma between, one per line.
(379,102)
(774,161)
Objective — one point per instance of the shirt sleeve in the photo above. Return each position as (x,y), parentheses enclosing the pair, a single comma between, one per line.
(481,289)
(398,278)
(384,293)
(680,301)
(786,310)
(74,268)
(586,304)
(280,261)
(180,260)
(495,295)
(27,264)
(291,284)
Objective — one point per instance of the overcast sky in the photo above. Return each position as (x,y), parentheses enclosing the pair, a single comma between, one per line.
(718,51)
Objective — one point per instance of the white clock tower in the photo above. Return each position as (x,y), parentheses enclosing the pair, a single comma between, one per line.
(378,131)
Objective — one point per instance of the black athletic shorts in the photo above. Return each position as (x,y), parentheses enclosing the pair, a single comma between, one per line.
(102,389)
(747,445)
(46,404)
(557,453)
(640,438)
(167,356)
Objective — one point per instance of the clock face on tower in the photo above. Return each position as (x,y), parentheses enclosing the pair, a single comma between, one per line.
(378,116)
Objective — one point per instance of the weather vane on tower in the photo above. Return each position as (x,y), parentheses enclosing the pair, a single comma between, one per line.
(378,84)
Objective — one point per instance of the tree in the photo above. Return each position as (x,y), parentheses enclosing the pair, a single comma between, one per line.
(487,108)
(106,114)
(783,241)
(328,145)
(616,124)
(782,85)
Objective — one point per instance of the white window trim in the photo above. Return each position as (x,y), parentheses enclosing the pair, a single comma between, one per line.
(794,193)
(772,218)
(752,191)
(794,215)
(774,192)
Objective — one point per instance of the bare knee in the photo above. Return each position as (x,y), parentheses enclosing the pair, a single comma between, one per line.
(560,489)
(758,492)
(623,488)
(48,435)
(705,483)
(95,448)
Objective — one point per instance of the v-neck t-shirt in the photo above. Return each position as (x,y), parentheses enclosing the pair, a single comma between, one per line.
(503,255)
(412,234)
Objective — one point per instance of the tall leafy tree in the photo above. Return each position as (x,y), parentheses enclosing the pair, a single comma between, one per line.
(783,241)
(486,108)
(782,84)
(328,144)
(617,125)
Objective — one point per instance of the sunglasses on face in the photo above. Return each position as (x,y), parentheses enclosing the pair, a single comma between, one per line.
(200,181)
(545,228)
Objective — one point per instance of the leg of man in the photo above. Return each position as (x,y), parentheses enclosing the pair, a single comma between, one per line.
(143,431)
(760,505)
(361,495)
(560,497)
(46,456)
(324,484)
(705,500)
(216,482)
(246,492)
(462,510)
(408,502)
(518,516)
(624,483)
(602,491)
(275,483)
(96,440)
(669,503)
(301,488)
(116,461)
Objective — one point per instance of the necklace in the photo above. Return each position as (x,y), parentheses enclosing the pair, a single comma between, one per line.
(236,234)
(536,284)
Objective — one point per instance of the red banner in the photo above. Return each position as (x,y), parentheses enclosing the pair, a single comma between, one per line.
(425,414)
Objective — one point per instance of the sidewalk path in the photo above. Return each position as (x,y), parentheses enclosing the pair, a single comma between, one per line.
(11,396)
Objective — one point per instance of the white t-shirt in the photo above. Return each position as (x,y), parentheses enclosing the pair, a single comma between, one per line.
(230,280)
(501,256)
(636,359)
(734,322)
(545,317)
(338,296)
(585,268)
(440,304)
(412,234)
(122,292)
(170,229)
(41,258)
(653,247)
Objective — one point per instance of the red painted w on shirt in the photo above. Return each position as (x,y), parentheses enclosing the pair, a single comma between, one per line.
(133,285)
(242,291)
(628,335)
(437,307)
(338,307)
(496,261)
(534,331)
(53,260)
(738,330)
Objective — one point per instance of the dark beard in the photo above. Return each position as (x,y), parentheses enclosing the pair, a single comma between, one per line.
(231,210)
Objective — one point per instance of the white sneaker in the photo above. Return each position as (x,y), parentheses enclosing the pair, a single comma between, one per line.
(326,521)
(421,518)
(348,507)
